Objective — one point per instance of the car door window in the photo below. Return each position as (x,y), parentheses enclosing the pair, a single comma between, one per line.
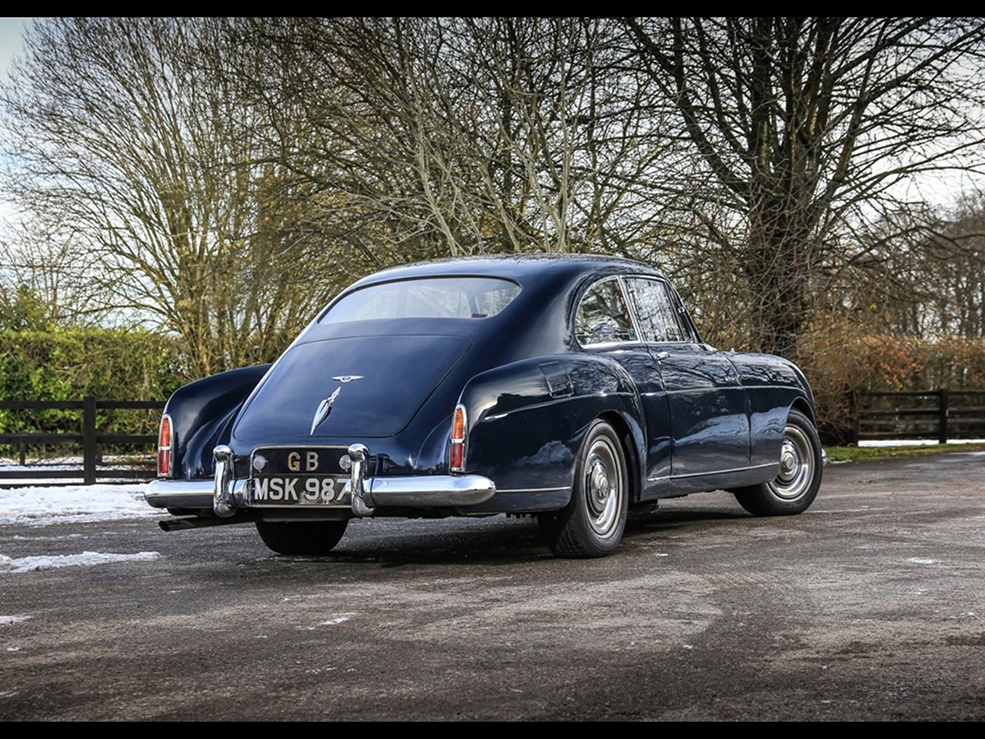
(657,311)
(603,316)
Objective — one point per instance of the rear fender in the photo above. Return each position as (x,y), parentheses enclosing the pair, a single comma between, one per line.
(201,416)
(526,420)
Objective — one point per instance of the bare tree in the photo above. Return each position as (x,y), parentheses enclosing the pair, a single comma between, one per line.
(950,290)
(226,176)
(127,132)
(45,260)
(440,137)
(805,129)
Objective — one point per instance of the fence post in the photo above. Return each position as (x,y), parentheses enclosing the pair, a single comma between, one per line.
(89,439)
(942,417)
(854,416)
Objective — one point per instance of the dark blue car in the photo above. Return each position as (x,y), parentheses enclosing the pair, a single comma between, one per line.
(569,388)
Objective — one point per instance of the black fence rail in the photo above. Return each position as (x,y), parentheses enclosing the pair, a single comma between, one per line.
(90,439)
(933,414)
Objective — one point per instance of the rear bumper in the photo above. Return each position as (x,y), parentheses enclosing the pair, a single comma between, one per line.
(192,494)
(226,495)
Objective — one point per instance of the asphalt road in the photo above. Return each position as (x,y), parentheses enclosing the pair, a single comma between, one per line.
(870,606)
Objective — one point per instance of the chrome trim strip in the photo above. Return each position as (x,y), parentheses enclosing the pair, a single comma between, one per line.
(535,490)
(549,403)
(297,446)
(725,472)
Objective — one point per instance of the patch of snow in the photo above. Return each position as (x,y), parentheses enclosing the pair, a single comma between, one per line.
(915,442)
(4,620)
(73,504)
(342,618)
(86,559)
(922,561)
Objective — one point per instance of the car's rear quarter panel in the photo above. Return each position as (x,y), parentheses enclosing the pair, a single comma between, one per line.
(528,420)
(201,415)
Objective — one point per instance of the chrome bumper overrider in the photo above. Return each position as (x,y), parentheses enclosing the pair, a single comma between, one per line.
(226,495)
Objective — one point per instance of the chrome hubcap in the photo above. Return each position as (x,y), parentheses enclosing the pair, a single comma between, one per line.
(796,465)
(603,486)
(788,460)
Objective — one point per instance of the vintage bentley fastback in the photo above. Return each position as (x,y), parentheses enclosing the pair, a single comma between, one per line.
(569,388)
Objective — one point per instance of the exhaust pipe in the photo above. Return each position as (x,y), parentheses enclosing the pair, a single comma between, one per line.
(184,524)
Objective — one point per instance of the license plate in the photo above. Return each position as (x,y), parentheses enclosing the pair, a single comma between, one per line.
(312,477)
(301,490)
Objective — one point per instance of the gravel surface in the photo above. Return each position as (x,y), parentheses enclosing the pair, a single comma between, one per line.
(869,606)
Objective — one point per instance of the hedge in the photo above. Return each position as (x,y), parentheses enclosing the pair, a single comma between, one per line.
(132,364)
(110,364)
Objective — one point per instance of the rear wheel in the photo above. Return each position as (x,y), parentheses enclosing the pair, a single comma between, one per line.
(799,477)
(592,524)
(301,537)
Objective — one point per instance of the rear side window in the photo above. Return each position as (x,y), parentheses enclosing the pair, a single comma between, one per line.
(657,312)
(436,297)
(603,316)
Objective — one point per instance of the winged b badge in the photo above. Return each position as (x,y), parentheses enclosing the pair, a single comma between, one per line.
(325,407)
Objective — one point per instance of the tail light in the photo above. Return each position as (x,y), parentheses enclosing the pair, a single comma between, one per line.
(456,463)
(164,447)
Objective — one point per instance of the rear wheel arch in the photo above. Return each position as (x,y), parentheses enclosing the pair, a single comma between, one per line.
(631,448)
(801,405)
(592,523)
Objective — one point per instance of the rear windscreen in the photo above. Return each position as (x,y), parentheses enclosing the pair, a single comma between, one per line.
(436,297)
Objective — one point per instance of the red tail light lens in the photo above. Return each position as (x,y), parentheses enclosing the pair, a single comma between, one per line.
(164,448)
(456,463)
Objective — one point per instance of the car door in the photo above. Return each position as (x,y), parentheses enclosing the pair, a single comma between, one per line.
(708,409)
(604,324)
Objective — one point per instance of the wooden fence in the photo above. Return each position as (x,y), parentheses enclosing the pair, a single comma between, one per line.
(933,414)
(92,440)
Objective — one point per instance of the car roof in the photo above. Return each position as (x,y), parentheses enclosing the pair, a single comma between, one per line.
(519,268)
(550,285)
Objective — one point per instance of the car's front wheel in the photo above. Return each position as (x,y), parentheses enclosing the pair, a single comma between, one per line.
(799,477)
(301,537)
(593,522)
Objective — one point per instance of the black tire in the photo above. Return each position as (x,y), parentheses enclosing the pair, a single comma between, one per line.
(795,487)
(592,524)
(301,537)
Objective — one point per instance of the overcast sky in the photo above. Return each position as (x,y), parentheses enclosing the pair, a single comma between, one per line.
(11,30)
